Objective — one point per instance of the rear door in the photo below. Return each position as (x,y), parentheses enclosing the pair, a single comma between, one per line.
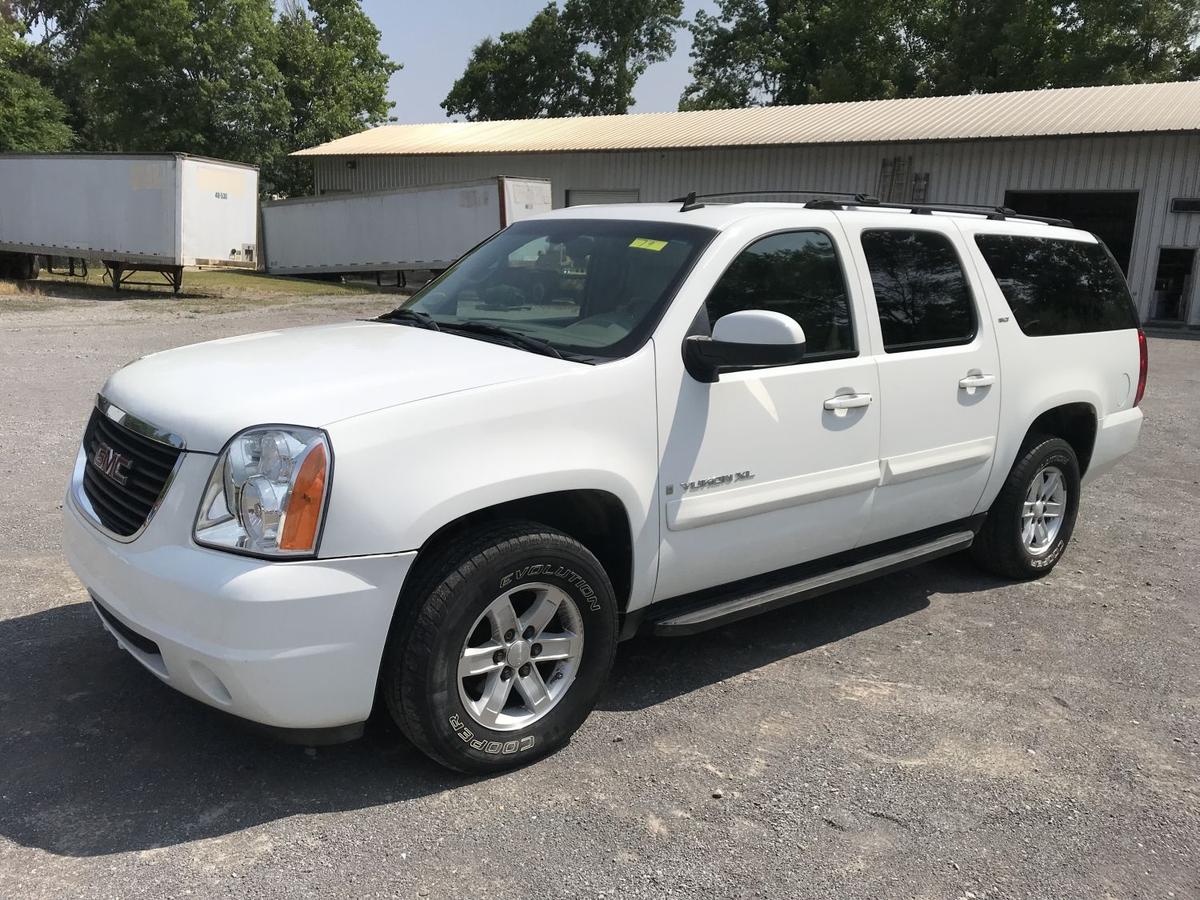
(939,371)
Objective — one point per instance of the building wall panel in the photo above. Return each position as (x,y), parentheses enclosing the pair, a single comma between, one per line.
(1158,166)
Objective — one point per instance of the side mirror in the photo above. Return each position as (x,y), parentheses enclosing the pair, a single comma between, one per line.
(747,339)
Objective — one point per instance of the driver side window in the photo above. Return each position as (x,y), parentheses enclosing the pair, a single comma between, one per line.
(796,273)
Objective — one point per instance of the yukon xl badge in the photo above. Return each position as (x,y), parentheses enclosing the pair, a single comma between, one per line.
(112,464)
(717,481)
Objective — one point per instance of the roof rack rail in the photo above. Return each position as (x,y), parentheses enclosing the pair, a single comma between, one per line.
(994,213)
(827,200)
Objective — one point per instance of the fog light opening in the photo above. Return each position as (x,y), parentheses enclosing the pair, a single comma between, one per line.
(205,679)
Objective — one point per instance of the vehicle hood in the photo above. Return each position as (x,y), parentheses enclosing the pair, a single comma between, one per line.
(312,376)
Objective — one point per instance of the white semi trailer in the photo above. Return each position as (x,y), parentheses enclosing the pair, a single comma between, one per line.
(132,212)
(393,231)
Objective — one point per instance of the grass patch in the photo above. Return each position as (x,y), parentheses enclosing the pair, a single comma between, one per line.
(14,299)
(205,292)
(203,283)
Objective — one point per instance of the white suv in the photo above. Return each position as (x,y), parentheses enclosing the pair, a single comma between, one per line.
(601,420)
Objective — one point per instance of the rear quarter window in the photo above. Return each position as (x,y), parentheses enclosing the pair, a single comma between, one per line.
(1057,286)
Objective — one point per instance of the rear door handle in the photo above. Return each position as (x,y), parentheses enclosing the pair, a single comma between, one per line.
(976,381)
(847,401)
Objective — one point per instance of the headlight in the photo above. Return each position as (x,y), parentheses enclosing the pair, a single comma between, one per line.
(266,494)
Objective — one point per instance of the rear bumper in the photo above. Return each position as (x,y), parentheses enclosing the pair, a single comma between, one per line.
(291,645)
(1115,438)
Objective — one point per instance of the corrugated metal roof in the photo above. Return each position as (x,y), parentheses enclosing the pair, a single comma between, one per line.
(1173,106)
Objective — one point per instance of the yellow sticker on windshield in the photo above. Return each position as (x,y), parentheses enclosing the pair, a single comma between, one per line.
(647,244)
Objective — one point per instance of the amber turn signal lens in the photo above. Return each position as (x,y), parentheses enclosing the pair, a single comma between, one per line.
(304,507)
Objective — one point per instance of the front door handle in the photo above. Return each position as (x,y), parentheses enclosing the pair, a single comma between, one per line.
(976,381)
(847,401)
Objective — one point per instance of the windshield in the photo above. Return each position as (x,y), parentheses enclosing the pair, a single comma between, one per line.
(592,288)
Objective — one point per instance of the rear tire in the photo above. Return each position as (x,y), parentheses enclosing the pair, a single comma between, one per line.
(531,614)
(1033,516)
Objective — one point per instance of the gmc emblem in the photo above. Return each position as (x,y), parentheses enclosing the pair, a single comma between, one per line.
(111,463)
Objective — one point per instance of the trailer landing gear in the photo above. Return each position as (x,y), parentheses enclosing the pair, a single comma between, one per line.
(76,266)
(119,274)
(401,279)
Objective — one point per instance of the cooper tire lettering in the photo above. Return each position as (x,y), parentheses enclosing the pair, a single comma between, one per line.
(495,748)
(1049,559)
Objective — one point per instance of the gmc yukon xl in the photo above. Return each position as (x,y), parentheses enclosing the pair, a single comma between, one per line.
(601,420)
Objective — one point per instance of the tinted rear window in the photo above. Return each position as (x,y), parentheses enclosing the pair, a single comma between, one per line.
(1057,286)
(921,293)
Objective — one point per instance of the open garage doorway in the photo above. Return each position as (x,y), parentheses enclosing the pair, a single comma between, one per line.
(1109,214)
(1173,284)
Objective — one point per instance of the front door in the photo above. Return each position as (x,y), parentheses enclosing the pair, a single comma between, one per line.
(940,376)
(778,466)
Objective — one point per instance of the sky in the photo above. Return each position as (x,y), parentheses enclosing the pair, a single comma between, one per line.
(434,41)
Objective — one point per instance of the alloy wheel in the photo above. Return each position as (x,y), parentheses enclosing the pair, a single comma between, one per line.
(1043,510)
(520,657)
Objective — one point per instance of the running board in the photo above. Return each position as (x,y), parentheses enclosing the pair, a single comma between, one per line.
(752,598)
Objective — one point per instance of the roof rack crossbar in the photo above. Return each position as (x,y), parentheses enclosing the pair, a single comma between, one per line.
(693,196)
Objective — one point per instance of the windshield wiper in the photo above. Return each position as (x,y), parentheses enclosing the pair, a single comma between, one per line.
(516,338)
(410,317)
(419,319)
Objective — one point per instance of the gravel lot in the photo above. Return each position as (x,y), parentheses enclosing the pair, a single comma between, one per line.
(937,734)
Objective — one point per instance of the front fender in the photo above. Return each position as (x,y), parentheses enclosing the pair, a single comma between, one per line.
(403,473)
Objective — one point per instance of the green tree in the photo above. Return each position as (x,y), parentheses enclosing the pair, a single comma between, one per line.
(805,51)
(32,118)
(765,52)
(54,30)
(735,57)
(1005,45)
(197,76)
(521,74)
(618,41)
(582,59)
(335,80)
(52,21)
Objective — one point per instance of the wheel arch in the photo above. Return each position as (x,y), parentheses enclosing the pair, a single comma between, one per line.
(1076,423)
(594,517)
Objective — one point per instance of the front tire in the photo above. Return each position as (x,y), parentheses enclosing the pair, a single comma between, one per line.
(501,648)
(1032,519)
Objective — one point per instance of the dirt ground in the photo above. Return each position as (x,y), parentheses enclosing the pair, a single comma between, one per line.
(938,734)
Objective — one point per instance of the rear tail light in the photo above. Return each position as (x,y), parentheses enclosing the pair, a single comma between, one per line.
(1143,367)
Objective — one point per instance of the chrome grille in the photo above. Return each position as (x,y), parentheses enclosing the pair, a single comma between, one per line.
(125,475)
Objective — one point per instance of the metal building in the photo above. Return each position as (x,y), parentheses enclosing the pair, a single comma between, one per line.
(1122,161)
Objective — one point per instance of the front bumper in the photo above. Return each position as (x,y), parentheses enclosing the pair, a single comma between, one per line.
(293,645)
